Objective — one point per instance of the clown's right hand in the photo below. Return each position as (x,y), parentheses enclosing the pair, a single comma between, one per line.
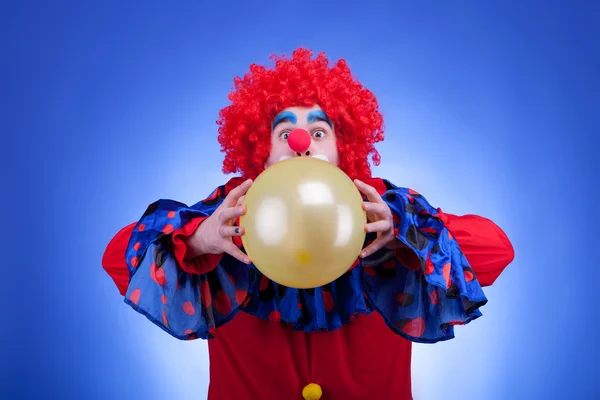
(214,235)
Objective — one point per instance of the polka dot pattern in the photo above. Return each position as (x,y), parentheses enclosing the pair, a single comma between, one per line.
(422,288)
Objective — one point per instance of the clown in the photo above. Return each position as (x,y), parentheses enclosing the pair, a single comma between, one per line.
(421,271)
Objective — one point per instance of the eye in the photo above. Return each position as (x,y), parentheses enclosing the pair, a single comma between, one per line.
(284,135)
(319,134)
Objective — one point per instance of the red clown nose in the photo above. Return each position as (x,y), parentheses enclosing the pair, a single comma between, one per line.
(299,140)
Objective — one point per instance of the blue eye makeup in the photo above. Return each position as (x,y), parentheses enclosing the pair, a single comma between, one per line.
(318,115)
(286,116)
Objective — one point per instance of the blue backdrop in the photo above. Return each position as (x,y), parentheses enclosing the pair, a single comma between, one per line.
(490,109)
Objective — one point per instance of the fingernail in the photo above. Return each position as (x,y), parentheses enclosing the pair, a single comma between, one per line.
(247,260)
(237,231)
(363,254)
(367,206)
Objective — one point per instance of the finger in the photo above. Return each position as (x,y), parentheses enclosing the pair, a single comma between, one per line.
(369,191)
(376,208)
(228,231)
(374,246)
(378,226)
(231,213)
(235,252)
(241,200)
(235,194)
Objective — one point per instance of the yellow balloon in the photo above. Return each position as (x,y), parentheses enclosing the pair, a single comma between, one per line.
(304,222)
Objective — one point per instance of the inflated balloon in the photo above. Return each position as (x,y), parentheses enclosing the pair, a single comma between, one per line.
(304,222)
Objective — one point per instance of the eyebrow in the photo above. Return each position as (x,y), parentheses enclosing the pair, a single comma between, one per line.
(286,116)
(318,115)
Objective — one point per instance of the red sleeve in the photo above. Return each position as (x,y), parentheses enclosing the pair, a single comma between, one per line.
(485,245)
(197,265)
(113,260)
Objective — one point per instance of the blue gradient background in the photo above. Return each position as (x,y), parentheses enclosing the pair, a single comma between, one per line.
(108,106)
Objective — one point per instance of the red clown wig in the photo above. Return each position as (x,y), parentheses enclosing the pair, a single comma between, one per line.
(257,98)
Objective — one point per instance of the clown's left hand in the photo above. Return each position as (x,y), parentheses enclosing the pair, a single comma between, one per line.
(379,220)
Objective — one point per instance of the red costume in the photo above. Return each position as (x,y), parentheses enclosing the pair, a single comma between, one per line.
(353,347)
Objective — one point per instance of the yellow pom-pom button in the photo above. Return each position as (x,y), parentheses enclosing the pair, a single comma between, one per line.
(312,391)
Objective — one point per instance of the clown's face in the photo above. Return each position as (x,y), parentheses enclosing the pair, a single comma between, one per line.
(315,122)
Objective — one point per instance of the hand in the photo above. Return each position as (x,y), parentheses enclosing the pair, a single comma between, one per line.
(214,235)
(379,219)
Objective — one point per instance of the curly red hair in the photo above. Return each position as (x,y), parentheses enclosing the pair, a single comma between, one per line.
(257,98)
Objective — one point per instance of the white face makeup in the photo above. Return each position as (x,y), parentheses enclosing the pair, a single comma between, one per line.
(312,119)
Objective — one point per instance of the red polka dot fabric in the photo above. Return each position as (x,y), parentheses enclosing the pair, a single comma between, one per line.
(422,289)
